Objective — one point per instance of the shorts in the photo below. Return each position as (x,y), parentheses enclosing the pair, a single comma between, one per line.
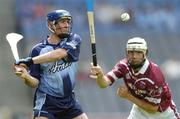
(56,107)
(138,113)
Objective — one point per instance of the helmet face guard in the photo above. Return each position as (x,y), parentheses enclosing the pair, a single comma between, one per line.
(56,16)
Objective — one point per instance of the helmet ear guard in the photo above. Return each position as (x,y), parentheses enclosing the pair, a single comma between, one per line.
(49,25)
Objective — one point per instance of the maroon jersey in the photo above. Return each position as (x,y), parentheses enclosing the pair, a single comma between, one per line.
(148,84)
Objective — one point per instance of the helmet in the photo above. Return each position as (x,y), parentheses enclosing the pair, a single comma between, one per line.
(57,15)
(137,44)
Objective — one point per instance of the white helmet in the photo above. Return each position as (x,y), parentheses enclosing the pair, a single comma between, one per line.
(137,44)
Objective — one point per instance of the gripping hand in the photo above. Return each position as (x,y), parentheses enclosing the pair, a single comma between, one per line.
(27,61)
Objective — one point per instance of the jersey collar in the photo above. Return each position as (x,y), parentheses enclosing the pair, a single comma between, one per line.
(144,67)
(47,43)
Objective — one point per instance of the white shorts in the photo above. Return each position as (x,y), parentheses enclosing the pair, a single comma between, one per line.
(138,113)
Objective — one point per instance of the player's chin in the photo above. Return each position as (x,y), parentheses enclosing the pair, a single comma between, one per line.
(136,62)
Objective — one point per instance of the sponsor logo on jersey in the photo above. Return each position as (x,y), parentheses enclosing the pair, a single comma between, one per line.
(59,66)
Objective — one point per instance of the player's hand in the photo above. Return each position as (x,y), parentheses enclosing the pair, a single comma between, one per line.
(27,61)
(95,71)
(123,91)
(20,71)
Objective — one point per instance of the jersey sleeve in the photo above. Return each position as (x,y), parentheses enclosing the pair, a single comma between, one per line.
(118,71)
(72,46)
(34,70)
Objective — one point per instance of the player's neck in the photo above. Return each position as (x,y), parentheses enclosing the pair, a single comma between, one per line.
(54,39)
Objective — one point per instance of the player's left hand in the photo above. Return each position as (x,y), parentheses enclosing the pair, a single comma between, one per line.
(123,92)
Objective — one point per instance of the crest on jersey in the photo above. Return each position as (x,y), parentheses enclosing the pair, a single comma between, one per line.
(144,87)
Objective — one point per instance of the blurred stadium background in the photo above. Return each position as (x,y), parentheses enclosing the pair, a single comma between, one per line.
(158,21)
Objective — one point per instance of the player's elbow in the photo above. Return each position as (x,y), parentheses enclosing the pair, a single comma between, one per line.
(32,86)
(103,85)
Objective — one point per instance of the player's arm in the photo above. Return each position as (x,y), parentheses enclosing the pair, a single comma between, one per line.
(21,72)
(69,51)
(50,56)
(43,58)
(124,93)
(97,73)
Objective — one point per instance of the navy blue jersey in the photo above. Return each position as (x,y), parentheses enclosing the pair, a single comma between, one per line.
(57,78)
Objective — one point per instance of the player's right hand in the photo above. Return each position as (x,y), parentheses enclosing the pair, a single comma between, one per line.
(27,61)
(95,71)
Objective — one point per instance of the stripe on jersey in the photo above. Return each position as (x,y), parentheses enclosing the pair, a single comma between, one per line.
(145,79)
(111,73)
(153,100)
(67,85)
(124,64)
